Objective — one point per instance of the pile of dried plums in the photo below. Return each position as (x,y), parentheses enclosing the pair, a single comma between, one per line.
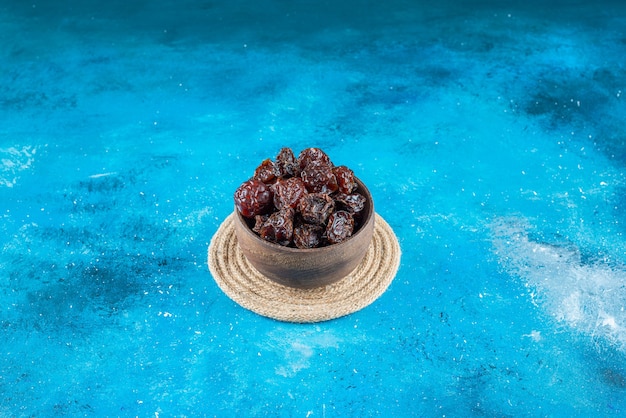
(305,202)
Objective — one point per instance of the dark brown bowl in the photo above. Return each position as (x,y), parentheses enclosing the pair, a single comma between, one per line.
(308,268)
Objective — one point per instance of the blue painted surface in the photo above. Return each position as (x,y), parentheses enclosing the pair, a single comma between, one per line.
(491,136)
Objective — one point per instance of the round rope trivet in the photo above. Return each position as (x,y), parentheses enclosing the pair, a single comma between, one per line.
(252,290)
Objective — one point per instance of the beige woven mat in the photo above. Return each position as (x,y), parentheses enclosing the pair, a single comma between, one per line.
(252,290)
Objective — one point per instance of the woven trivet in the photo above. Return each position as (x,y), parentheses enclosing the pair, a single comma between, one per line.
(252,290)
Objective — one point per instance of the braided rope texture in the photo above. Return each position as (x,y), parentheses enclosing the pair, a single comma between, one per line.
(246,286)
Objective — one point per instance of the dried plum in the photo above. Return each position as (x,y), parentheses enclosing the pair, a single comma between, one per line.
(340,227)
(287,193)
(259,220)
(307,235)
(265,171)
(253,198)
(286,164)
(310,155)
(345,179)
(315,208)
(319,178)
(279,227)
(353,203)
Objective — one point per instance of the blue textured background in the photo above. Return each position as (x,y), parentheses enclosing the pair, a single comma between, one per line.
(491,135)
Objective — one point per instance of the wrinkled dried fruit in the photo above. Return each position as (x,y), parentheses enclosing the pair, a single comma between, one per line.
(319,178)
(286,164)
(340,227)
(303,202)
(315,208)
(352,203)
(253,198)
(345,179)
(279,227)
(259,220)
(287,193)
(315,155)
(307,235)
(265,171)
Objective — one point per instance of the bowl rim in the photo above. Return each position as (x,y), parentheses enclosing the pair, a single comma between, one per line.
(271,245)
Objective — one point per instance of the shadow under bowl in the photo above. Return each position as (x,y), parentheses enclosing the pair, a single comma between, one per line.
(307,268)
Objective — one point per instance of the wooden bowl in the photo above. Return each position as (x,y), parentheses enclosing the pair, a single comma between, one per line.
(307,268)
